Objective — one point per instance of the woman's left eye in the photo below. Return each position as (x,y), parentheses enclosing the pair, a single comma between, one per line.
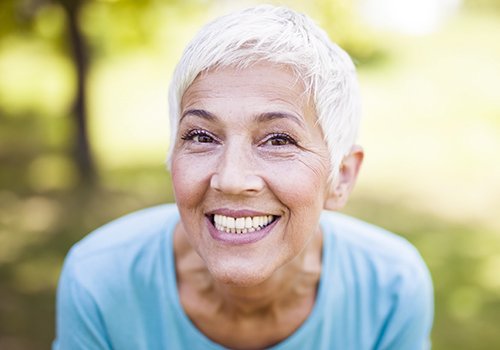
(280,140)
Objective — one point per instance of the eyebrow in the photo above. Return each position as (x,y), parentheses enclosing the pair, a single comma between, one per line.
(268,116)
(198,113)
(262,117)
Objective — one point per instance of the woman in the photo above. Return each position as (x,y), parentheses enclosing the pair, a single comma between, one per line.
(264,114)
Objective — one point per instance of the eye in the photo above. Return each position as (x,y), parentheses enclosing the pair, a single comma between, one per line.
(203,138)
(280,139)
(198,136)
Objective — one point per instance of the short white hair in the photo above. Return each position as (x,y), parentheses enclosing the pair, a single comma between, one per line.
(281,36)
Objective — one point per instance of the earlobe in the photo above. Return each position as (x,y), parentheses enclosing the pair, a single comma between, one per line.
(348,173)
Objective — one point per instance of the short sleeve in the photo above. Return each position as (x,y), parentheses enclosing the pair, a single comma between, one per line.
(79,323)
(409,324)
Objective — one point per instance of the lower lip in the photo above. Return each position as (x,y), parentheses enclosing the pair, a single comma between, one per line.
(239,238)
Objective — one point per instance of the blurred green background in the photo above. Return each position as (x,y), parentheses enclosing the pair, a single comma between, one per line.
(84,132)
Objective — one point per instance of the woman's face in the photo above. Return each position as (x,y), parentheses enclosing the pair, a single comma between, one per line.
(250,171)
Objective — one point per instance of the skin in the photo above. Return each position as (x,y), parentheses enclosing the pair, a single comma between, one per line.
(248,140)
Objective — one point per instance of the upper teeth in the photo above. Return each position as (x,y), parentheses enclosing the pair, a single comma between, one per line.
(241,225)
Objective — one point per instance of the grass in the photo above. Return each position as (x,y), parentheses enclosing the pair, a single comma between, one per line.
(431,133)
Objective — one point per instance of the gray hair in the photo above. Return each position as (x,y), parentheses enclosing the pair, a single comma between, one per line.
(282,36)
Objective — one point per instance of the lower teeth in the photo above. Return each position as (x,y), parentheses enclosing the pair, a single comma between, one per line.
(239,231)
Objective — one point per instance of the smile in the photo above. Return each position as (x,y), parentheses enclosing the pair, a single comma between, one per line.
(242,225)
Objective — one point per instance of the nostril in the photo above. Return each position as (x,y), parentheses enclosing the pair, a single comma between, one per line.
(237,184)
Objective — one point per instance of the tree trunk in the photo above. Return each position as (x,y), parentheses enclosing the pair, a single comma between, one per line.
(82,150)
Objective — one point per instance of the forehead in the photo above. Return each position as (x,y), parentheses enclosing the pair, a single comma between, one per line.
(261,87)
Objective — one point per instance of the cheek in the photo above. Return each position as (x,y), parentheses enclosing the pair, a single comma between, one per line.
(301,184)
(190,180)
(303,192)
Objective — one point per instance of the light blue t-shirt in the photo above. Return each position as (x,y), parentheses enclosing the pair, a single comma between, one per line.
(118,290)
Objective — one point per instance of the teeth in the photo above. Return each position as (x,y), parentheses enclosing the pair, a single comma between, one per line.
(241,225)
(264,220)
(255,221)
(230,223)
(248,222)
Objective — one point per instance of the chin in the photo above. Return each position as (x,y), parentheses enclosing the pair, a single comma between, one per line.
(238,276)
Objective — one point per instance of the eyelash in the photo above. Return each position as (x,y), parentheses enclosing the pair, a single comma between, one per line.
(275,136)
(190,135)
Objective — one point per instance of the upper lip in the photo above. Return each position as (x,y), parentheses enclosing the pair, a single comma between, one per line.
(237,213)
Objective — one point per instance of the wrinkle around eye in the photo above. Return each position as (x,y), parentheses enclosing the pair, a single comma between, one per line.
(317,160)
(279,153)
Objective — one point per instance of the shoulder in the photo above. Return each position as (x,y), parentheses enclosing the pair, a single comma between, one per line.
(126,230)
(112,279)
(368,242)
(376,264)
(114,247)
(383,279)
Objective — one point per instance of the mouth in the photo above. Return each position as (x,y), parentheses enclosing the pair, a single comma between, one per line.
(241,225)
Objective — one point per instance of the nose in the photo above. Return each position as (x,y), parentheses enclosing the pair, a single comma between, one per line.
(236,172)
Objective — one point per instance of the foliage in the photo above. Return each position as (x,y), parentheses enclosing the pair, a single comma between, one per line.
(340,20)
(483,5)
(431,132)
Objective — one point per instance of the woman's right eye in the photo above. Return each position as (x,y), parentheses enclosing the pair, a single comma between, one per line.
(203,139)
(198,136)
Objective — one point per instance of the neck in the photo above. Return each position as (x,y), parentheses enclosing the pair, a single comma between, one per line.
(296,280)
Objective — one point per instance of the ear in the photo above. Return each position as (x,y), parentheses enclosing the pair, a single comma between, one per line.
(343,185)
